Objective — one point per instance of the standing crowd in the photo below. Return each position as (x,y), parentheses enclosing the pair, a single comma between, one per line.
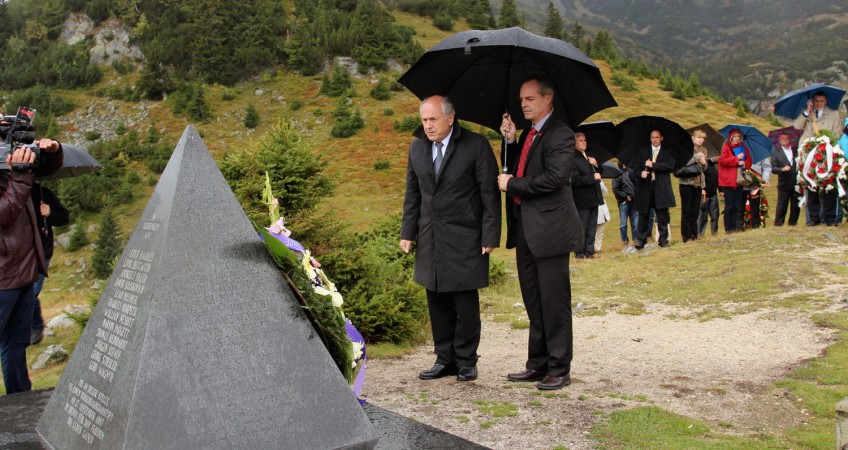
(555,206)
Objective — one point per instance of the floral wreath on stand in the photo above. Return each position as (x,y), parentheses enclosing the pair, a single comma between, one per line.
(763,212)
(318,296)
(821,166)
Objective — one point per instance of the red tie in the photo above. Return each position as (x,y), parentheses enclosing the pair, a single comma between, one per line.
(522,161)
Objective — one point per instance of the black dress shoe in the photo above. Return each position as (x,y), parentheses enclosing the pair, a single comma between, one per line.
(526,375)
(437,371)
(467,373)
(551,382)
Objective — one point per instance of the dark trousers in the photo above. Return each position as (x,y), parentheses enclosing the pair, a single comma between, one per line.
(589,221)
(15,323)
(709,211)
(455,321)
(663,218)
(822,207)
(37,319)
(690,206)
(787,200)
(734,202)
(546,290)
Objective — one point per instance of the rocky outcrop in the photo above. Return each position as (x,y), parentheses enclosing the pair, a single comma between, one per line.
(111,39)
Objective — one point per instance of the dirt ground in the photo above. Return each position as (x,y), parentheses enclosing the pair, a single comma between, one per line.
(720,371)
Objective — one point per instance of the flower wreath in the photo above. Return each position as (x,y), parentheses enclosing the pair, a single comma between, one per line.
(821,166)
(323,302)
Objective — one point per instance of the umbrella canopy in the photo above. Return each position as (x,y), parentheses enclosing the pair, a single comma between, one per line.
(481,72)
(602,139)
(714,139)
(76,162)
(791,104)
(636,133)
(610,170)
(794,136)
(758,143)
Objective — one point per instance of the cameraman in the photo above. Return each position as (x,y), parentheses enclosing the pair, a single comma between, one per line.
(21,258)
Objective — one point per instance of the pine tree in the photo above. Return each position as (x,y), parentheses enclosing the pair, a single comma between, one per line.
(480,15)
(78,238)
(108,246)
(553,26)
(509,15)
(578,36)
(251,117)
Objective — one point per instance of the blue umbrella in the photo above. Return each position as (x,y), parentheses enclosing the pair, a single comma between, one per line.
(759,144)
(791,104)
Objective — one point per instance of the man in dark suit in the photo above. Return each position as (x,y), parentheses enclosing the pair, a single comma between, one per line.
(543,227)
(452,209)
(783,164)
(586,188)
(653,190)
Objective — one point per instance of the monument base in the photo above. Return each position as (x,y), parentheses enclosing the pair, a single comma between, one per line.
(19,414)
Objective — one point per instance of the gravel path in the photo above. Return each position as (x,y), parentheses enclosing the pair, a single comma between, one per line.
(720,371)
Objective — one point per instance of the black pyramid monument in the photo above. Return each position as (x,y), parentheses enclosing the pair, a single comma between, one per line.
(197,341)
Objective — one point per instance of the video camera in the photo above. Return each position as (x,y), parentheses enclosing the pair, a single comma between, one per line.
(18,131)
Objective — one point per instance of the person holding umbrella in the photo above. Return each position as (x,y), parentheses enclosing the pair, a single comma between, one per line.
(49,213)
(452,209)
(585,186)
(734,156)
(653,190)
(816,117)
(543,226)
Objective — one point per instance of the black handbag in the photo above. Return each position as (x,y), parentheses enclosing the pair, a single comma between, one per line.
(691,170)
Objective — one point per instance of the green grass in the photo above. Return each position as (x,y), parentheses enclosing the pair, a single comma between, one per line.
(496,409)
(654,428)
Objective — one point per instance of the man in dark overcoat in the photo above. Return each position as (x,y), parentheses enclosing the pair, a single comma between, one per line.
(586,188)
(653,189)
(543,227)
(452,210)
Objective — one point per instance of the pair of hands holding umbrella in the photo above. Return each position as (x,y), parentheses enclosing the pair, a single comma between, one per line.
(23,155)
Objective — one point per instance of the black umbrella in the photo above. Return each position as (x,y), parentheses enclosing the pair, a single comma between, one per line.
(714,140)
(76,162)
(481,72)
(637,136)
(610,170)
(602,139)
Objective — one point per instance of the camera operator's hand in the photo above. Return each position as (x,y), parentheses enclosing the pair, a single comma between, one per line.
(48,145)
(21,155)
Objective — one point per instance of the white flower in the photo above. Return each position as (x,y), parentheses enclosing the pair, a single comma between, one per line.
(357,351)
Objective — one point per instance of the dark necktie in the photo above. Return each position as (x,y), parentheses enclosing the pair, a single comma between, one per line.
(437,164)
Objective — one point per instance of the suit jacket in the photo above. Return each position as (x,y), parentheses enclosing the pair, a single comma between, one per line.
(829,121)
(663,193)
(453,217)
(586,190)
(548,214)
(786,181)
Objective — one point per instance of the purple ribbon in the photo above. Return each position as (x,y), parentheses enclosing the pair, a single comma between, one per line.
(292,244)
(355,336)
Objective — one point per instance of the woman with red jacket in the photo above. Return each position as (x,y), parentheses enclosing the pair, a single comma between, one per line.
(734,155)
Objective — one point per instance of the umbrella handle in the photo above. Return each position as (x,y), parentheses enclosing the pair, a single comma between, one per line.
(505,152)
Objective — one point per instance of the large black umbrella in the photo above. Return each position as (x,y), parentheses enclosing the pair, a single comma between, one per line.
(76,162)
(714,140)
(481,72)
(602,138)
(637,136)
